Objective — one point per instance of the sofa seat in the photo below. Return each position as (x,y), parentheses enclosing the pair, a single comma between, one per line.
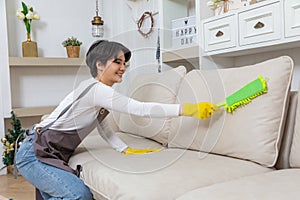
(275,185)
(164,175)
(93,147)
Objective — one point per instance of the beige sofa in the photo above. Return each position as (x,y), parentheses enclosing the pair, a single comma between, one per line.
(250,154)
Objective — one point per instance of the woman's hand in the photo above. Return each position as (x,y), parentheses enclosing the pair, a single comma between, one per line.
(202,110)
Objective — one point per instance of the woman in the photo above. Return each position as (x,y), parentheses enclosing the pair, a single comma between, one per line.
(43,157)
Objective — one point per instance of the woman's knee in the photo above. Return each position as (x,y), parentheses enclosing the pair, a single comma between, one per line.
(76,193)
(84,193)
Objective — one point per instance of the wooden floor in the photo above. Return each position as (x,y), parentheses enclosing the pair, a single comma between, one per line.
(18,189)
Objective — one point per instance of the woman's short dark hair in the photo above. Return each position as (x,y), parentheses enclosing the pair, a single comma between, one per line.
(102,51)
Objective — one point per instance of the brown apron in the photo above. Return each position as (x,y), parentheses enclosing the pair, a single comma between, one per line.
(56,147)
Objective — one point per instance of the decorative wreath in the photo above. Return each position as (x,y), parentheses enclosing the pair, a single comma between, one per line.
(141,21)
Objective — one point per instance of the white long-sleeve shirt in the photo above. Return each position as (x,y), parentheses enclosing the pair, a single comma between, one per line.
(83,113)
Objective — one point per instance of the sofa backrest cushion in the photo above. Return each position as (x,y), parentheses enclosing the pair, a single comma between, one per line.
(295,149)
(155,87)
(252,132)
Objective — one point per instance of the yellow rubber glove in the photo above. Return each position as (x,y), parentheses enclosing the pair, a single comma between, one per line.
(202,110)
(130,151)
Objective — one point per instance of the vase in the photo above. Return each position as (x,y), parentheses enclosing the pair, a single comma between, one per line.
(73,51)
(29,47)
(253,2)
(225,6)
(222,7)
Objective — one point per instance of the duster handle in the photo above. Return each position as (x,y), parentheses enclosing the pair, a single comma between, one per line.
(221,103)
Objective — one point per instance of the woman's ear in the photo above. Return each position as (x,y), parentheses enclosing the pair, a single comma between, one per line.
(100,67)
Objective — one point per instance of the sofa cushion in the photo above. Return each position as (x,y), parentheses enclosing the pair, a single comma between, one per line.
(252,132)
(276,185)
(295,150)
(155,176)
(154,87)
(89,148)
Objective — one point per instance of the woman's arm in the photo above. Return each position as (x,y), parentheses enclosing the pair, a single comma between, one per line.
(110,136)
(108,98)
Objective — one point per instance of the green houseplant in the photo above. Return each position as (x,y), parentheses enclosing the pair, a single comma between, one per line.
(72,45)
(11,140)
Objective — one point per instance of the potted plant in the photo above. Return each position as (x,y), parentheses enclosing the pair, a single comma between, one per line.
(10,141)
(72,45)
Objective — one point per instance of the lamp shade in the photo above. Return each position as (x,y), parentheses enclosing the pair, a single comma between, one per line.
(97,26)
(97,30)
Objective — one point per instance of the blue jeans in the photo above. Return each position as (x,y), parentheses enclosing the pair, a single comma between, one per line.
(54,183)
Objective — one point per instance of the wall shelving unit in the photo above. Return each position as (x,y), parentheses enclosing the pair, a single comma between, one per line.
(47,62)
(33,111)
(44,64)
(280,30)
(175,9)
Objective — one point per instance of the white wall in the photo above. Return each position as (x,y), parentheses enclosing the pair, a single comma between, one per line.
(4,80)
(1,134)
(60,19)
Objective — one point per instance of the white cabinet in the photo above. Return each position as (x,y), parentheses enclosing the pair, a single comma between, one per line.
(260,24)
(266,26)
(251,34)
(292,18)
(220,34)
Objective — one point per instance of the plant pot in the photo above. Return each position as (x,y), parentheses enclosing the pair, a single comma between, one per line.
(73,51)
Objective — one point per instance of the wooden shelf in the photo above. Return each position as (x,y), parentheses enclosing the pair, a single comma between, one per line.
(188,53)
(33,111)
(41,61)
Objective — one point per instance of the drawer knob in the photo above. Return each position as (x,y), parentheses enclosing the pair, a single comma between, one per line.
(219,34)
(259,25)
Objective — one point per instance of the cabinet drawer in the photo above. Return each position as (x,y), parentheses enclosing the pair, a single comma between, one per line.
(220,34)
(292,18)
(260,24)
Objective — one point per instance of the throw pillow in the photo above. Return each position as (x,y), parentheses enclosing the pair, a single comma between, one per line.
(253,131)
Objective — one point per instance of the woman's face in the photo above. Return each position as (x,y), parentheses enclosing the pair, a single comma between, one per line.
(113,71)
